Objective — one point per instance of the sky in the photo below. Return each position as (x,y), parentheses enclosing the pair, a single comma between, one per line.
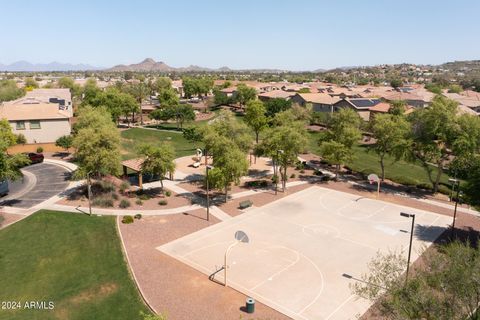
(285,34)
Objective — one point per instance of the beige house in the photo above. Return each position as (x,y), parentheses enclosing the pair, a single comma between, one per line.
(38,122)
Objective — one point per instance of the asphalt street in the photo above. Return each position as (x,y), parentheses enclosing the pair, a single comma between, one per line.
(40,182)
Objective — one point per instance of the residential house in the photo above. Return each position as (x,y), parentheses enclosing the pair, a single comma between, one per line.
(320,102)
(39,122)
(275,94)
(361,105)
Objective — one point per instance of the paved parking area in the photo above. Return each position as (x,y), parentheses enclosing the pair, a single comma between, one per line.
(49,180)
(302,246)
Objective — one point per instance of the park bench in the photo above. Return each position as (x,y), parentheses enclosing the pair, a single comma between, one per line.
(245,204)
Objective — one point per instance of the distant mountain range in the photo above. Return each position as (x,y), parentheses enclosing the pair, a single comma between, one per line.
(41,67)
(150,65)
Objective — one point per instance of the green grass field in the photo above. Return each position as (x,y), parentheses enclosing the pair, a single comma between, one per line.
(72,260)
(367,162)
(132,138)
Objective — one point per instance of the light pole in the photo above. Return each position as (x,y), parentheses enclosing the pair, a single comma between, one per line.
(457,184)
(240,236)
(276,171)
(208,168)
(89,192)
(409,215)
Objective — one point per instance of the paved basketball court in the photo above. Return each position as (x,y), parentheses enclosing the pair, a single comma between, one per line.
(300,247)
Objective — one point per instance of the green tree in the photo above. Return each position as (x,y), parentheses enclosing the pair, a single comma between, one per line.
(304,90)
(158,160)
(162,83)
(193,135)
(68,83)
(255,117)
(397,107)
(90,91)
(283,144)
(65,142)
(97,143)
(116,102)
(9,165)
(181,113)
(30,84)
(10,91)
(277,105)
(396,83)
(168,97)
(434,131)
(139,91)
(245,94)
(343,132)
(391,135)
(220,98)
(229,166)
(445,287)
(335,153)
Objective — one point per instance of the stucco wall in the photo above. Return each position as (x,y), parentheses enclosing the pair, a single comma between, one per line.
(50,130)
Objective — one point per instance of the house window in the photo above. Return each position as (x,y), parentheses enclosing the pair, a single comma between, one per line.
(35,124)
(20,125)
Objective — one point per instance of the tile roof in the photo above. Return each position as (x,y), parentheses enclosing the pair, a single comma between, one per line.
(321,98)
(277,94)
(380,107)
(32,111)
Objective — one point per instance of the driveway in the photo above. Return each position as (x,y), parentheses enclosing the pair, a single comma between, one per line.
(40,182)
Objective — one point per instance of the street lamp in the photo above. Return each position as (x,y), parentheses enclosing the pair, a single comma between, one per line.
(409,215)
(455,182)
(276,173)
(240,236)
(89,192)
(208,168)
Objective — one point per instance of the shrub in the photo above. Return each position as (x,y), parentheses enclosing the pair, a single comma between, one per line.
(138,216)
(124,186)
(144,197)
(21,139)
(292,176)
(302,171)
(275,178)
(168,193)
(163,202)
(39,150)
(103,202)
(124,204)
(139,202)
(114,196)
(127,219)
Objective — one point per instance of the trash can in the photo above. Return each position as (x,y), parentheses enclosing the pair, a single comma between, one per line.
(250,305)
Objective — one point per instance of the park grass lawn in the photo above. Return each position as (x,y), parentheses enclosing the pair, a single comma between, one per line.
(367,162)
(132,138)
(73,260)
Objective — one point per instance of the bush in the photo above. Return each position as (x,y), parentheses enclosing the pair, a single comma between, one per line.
(163,202)
(39,150)
(292,176)
(124,186)
(103,202)
(144,197)
(256,184)
(127,219)
(124,204)
(168,193)
(102,187)
(138,216)
(302,171)
(275,178)
(114,196)
(139,202)
(21,139)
